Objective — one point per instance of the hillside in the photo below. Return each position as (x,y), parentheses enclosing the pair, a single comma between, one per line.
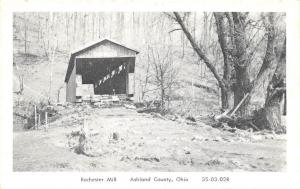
(193,108)
(37,76)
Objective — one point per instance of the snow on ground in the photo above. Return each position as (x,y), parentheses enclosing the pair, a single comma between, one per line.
(144,143)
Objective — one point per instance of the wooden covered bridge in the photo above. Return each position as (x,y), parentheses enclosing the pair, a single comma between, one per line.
(102,68)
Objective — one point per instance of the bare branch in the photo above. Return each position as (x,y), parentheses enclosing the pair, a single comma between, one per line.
(174,30)
(199,51)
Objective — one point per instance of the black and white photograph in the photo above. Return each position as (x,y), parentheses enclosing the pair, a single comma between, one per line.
(149,94)
(149,91)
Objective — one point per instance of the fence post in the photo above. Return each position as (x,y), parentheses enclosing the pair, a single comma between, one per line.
(46,120)
(39,122)
(35,118)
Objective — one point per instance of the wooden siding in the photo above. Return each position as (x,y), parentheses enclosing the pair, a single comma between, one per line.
(131,83)
(107,49)
(71,86)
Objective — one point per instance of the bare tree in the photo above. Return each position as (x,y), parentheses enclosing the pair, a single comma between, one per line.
(228,64)
(235,44)
(50,45)
(198,49)
(244,85)
(144,81)
(164,74)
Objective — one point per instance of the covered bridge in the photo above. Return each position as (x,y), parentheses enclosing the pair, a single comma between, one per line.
(104,67)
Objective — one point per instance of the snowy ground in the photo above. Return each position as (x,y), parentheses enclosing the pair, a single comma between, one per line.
(145,143)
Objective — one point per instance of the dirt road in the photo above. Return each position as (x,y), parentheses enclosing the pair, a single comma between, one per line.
(143,143)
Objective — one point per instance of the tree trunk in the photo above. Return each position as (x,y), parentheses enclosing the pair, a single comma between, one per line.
(241,88)
(25,35)
(162,98)
(228,65)
(67,30)
(225,98)
(271,113)
(243,84)
(241,64)
(74,29)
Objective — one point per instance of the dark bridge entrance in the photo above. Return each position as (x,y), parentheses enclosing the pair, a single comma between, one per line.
(103,68)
